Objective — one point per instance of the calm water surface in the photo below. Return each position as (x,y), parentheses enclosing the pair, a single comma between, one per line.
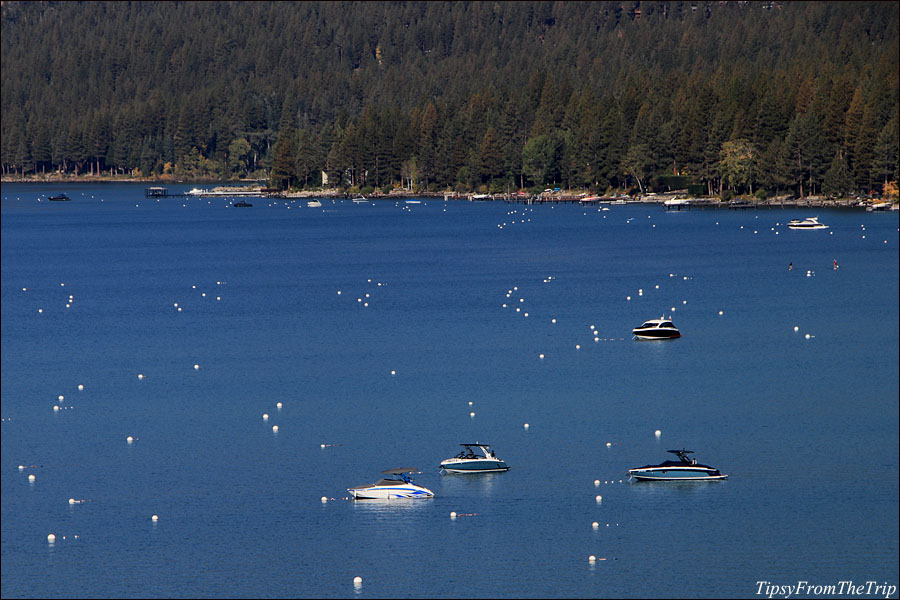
(315,308)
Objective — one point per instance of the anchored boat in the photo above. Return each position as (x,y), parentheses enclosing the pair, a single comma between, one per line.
(656,329)
(684,469)
(808,223)
(390,488)
(474,458)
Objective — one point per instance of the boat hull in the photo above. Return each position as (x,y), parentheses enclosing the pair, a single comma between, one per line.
(676,474)
(390,492)
(474,466)
(656,335)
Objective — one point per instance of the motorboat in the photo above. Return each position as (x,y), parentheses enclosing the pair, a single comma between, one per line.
(241,203)
(474,458)
(683,469)
(314,204)
(59,198)
(808,223)
(400,486)
(361,200)
(656,329)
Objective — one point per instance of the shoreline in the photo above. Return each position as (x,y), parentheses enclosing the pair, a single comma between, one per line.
(684,202)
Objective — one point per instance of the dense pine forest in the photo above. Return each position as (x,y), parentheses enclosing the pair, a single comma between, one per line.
(717,97)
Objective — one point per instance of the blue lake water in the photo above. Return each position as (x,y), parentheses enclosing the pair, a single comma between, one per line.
(315,308)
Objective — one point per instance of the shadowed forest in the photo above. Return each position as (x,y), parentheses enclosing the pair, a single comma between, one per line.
(716,97)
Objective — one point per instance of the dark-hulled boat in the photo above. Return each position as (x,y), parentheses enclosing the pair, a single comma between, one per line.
(684,469)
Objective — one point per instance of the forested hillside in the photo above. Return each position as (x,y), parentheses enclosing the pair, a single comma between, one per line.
(751,97)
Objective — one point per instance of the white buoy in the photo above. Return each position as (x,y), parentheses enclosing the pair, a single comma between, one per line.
(196,367)
(596,482)
(720,313)
(71,500)
(61,398)
(51,538)
(592,558)
(807,336)
(470,403)
(55,408)
(526,426)
(357,580)
(21,467)
(657,433)
(324,499)
(541,356)
(275,428)
(140,375)
(129,439)
(80,387)
(471,414)
(595,524)
(453,515)
(265,416)
(598,498)
(393,372)
(609,444)
(31,477)
(578,346)
(796,328)
(154,518)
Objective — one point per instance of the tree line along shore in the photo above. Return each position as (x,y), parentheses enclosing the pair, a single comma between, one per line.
(727,99)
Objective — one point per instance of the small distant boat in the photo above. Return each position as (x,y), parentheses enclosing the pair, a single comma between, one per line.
(361,199)
(482,197)
(808,223)
(413,201)
(684,469)
(470,461)
(241,203)
(388,489)
(59,198)
(197,192)
(589,199)
(677,202)
(656,329)
(314,204)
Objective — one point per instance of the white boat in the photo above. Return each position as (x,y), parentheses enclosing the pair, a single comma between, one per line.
(684,469)
(198,192)
(390,488)
(656,329)
(470,461)
(360,200)
(808,223)
(314,204)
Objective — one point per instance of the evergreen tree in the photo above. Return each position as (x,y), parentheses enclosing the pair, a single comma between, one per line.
(283,174)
